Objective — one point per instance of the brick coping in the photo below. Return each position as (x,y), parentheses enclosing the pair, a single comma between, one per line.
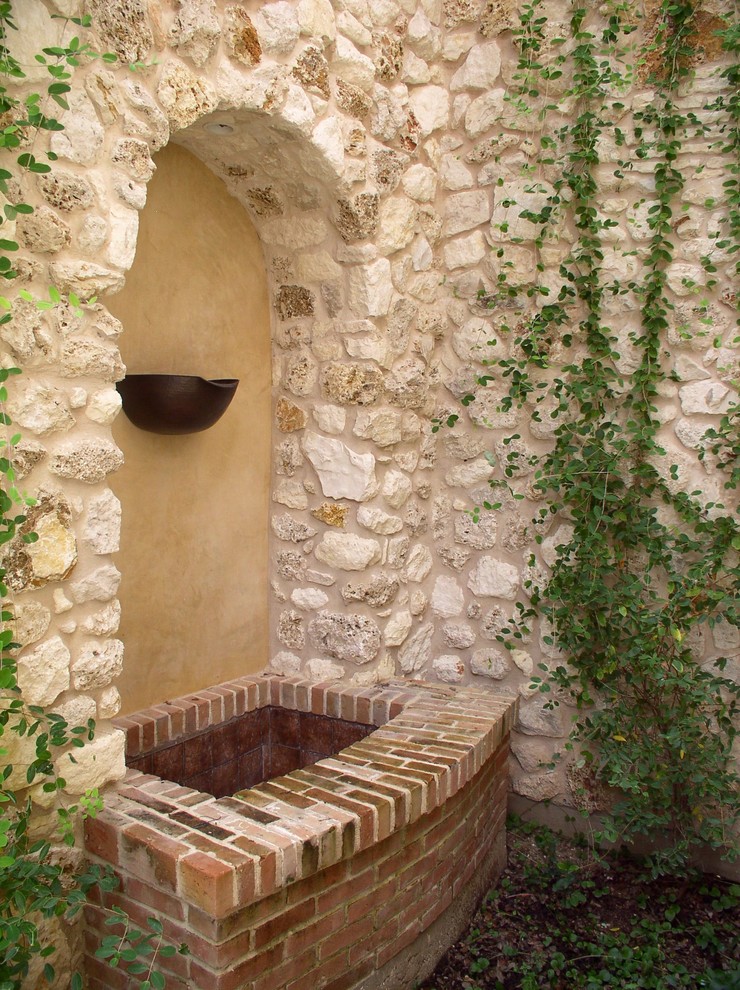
(223,854)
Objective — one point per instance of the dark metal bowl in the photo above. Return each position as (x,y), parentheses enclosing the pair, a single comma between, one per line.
(174,404)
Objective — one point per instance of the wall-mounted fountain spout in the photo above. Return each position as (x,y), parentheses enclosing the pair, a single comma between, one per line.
(175,404)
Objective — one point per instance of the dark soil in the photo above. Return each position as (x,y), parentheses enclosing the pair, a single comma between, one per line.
(562,917)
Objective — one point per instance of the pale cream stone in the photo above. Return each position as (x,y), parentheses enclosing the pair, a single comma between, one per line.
(464,252)
(98,762)
(100,586)
(319,670)
(383,427)
(309,599)
(465,210)
(39,408)
(397,488)
(54,554)
(76,709)
(347,637)
(317,20)
(378,521)
(424,38)
(97,664)
(86,460)
(397,224)
(350,27)
(536,720)
(711,397)
(77,398)
(30,622)
(61,602)
(342,472)
(371,288)
(539,786)
(455,44)
(290,493)
(431,107)
(494,578)
(469,474)
(420,183)
(43,673)
(347,551)
(415,70)
(416,652)
(489,663)
(484,113)
(448,668)
(317,266)
(184,96)
(85,278)
(285,663)
(109,703)
(447,598)
(351,65)
(88,356)
(454,175)
(373,347)
(295,233)
(328,138)
(398,628)
(102,530)
(330,419)
(104,406)
(480,70)
(418,564)
(523,661)
(104,622)
(81,140)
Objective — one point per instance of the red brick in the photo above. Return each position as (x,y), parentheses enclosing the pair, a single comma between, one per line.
(284,922)
(348,936)
(351,979)
(207,883)
(162,852)
(289,972)
(342,892)
(313,933)
(239,977)
(398,944)
(102,835)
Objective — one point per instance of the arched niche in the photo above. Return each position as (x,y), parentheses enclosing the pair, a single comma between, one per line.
(194,539)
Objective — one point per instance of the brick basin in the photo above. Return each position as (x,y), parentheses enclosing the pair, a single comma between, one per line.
(350,873)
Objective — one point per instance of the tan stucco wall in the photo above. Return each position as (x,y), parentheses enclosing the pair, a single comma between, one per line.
(194,537)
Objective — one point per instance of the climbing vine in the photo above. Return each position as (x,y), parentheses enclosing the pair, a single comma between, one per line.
(642,567)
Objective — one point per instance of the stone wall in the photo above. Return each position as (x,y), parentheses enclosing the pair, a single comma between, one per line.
(371,146)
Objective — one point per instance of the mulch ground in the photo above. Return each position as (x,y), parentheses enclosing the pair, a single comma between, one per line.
(561,918)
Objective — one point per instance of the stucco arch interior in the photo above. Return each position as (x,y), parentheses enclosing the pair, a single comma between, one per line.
(375,155)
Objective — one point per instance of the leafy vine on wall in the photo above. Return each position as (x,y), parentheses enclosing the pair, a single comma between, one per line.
(641,565)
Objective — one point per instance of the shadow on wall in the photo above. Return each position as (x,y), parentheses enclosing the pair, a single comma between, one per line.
(194,538)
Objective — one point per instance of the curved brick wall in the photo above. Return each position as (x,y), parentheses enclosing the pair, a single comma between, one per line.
(355,872)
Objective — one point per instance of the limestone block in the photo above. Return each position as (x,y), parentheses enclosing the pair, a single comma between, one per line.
(510,200)
(536,720)
(316,19)
(89,357)
(487,411)
(469,474)
(43,673)
(378,521)
(342,472)
(328,139)
(124,231)
(449,669)
(420,183)
(423,37)
(76,709)
(371,288)
(30,622)
(418,603)
(347,551)
(397,488)
(458,635)
(98,762)
(320,670)
(480,70)
(397,628)
(86,460)
(196,30)
(330,419)
(726,637)
(494,578)
(416,652)
(102,530)
(99,586)
(288,457)
(351,65)
(285,663)
(454,557)
(347,637)
(374,347)
(350,27)
(285,527)
(301,375)
(320,577)
(81,140)
(397,224)
(184,96)
(123,27)
(292,494)
(290,629)
(98,663)
(418,564)
(415,71)
(43,231)
(454,175)
(309,599)
(465,210)
(331,514)
(447,598)
(104,406)
(154,128)
(53,556)
(377,593)
(408,386)
(708,397)
(489,663)
(398,551)
(480,535)
(39,408)
(289,416)
(104,622)
(455,44)
(85,278)
(383,427)
(476,341)
(464,252)
(242,41)
(484,113)
(109,703)
(539,786)
(297,232)
(431,107)
(352,383)
(66,191)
